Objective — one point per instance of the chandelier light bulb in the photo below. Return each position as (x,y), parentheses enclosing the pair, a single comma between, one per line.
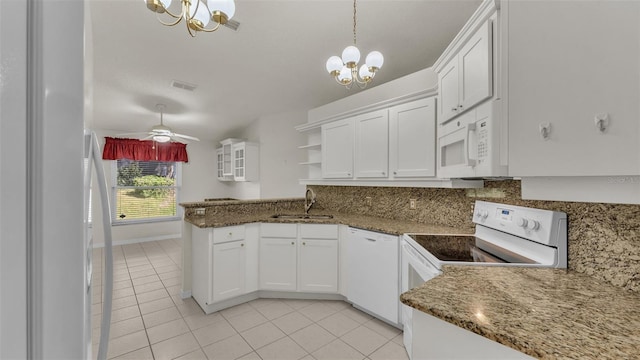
(157,6)
(364,73)
(226,7)
(345,76)
(351,56)
(334,65)
(374,60)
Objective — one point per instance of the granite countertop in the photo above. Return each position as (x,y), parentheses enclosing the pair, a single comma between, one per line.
(388,226)
(229,201)
(545,313)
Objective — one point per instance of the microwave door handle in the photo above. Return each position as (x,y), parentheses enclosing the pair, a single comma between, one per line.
(469,161)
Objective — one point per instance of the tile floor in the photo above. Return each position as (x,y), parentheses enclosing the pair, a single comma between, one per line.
(151,321)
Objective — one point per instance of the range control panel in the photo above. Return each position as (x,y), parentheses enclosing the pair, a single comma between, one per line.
(542,226)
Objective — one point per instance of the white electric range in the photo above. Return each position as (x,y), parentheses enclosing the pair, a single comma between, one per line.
(505,235)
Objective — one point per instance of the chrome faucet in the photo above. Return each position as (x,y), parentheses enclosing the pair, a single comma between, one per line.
(309,200)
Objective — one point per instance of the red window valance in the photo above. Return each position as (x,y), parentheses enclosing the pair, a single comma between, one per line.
(144,150)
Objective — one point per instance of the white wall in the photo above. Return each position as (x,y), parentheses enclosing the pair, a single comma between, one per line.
(280,157)
(198,182)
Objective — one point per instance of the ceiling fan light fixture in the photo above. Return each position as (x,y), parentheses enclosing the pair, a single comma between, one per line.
(161,138)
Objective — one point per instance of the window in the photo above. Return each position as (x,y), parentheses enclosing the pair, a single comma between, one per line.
(145,191)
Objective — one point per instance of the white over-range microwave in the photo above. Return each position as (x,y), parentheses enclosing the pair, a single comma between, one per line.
(473,144)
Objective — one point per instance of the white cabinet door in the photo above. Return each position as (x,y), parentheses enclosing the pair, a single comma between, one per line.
(412,139)
(466,79)
(239,162)
(278,264)
(318,266)
(318,258)
(372,144)
(557,75)
(448,91)
(337,149)
(228,270)
(474,67)
(220,164)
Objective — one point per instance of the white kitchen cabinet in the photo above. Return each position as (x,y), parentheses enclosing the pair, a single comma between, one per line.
(278,257)
(318,258)
(372,144)
(220,165)
(412,139)
(222,262)
(228,270)
(566,77)
(299,257)
(466,79)
(245,161)
(227,156)
(337,149)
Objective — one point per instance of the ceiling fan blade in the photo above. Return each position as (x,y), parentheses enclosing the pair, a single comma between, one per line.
(134,133)
(186,137)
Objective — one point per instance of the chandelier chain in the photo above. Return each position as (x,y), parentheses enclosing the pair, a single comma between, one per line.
(354,22)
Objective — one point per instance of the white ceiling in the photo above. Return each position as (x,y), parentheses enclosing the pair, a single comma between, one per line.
(273,64)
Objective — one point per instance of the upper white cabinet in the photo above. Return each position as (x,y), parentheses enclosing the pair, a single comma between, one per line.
(466,79)
(337,149)
(237,160)
(372,144)
(574,86)
(411,126)
(245,161)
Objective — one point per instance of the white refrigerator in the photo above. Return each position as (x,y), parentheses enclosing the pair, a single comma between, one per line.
(43,250)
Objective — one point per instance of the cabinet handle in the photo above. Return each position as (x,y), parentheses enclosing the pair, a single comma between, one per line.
(383,173)
(348,174)
(460,106)
(395,173)
(242,244)
(304,243)
(230,234)
(293,243)
(454,109)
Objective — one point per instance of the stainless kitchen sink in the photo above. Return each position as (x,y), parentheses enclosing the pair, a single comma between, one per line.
(302,217)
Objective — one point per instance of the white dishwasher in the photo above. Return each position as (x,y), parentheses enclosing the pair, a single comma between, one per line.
(373,282)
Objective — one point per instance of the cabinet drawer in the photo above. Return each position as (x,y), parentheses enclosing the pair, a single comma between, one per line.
(279,230)
(228,233)
(318,231)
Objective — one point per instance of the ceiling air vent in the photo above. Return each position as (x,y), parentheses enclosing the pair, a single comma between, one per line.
(183,85)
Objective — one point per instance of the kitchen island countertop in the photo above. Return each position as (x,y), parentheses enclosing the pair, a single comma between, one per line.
(545,313)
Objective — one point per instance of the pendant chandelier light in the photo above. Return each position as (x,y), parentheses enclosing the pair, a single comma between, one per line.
(345,70)
(198,14)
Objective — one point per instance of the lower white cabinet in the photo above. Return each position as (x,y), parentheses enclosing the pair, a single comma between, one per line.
(299,257)
(229,263)
(278,263)
(223,262)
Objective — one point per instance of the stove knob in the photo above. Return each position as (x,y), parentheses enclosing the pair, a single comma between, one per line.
(522,222)
(484,213)
(533,225)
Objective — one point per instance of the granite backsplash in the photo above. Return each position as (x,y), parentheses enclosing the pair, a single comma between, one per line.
(604,239)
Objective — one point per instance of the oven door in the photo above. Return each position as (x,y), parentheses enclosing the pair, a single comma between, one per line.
(415,271)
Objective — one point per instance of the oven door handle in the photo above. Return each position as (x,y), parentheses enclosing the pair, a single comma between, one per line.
(468,160)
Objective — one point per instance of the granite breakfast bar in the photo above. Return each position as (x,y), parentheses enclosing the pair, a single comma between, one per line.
(544,313)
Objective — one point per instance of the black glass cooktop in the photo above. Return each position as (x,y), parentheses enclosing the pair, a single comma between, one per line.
(466,248)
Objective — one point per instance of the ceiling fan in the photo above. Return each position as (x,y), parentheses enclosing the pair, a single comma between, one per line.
(161,133)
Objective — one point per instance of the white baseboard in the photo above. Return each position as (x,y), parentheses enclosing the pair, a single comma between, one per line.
(185,294)
(141,240)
